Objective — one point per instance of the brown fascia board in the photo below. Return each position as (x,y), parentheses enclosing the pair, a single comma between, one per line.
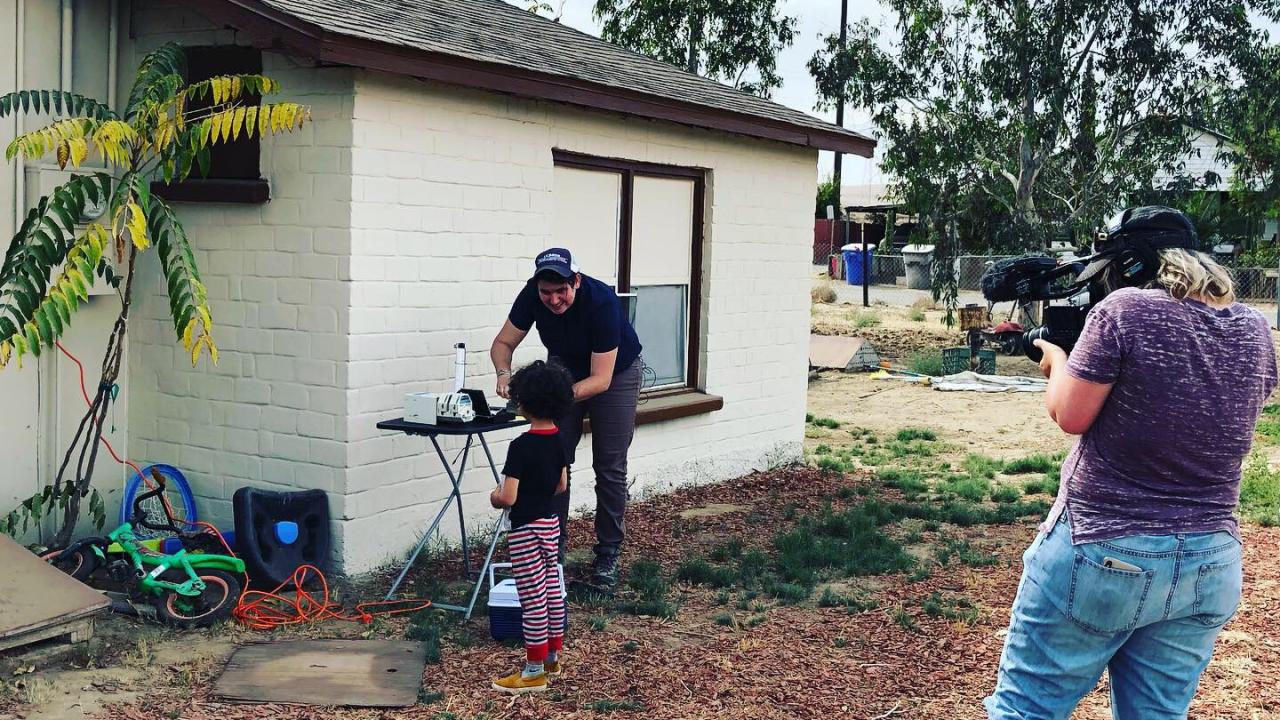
(274,29)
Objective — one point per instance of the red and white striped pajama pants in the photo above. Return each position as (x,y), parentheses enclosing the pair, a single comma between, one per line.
(534,550)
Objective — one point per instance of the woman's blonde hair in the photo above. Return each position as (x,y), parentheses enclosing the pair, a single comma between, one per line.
(1188,273)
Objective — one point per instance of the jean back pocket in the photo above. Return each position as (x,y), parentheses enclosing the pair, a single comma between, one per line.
(1218,589)
(1106,600)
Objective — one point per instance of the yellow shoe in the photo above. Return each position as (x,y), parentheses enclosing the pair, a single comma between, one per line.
(517,684)
(552,669)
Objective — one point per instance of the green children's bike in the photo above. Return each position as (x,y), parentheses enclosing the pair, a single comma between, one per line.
(194,587)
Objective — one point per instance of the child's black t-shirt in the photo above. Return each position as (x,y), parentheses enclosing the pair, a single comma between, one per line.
(535,459)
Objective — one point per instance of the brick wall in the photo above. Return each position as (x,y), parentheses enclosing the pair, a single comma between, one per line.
(272,412)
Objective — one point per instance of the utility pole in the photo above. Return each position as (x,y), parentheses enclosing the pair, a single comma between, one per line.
(844,36)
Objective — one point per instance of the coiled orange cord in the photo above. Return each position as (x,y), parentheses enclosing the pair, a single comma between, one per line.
(267,610)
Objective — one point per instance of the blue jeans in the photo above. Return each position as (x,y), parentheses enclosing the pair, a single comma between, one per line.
(1153,629)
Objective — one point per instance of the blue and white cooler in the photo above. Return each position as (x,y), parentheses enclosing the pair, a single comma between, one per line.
(505,618)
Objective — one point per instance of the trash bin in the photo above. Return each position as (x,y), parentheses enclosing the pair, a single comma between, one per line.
(853,253)
(918,260)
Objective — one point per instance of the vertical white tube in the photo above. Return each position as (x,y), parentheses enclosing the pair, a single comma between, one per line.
(460,366)
(113,52)
(68,17)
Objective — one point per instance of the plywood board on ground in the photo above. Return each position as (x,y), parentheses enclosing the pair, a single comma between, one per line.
(354,673)
(841,353)
(38,601)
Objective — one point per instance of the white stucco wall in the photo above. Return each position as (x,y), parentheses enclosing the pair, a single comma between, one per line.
(403,220)
(452,197)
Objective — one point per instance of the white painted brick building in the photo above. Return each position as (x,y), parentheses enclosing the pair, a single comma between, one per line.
(404,219)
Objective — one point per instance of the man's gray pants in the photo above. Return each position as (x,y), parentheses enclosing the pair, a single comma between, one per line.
(613,424)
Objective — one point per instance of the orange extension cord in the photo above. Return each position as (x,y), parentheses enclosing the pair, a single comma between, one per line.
(267,610)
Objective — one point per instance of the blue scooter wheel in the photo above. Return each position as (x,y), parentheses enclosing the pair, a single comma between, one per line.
(177,490)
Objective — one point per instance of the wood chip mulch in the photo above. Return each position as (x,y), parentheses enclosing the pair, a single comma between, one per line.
(800,661)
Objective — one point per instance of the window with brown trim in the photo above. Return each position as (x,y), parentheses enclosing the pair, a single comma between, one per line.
(638,227)
(234,174)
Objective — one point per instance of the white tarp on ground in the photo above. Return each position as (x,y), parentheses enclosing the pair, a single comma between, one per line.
(974,382)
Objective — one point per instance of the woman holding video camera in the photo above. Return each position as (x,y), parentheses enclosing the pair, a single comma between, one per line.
(1138,566)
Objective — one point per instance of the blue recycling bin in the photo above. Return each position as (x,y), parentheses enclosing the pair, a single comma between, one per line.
(853,262)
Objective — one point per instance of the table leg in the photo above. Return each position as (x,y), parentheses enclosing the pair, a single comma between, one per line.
(484,569)
(462,523)
(489,455)
(454,494)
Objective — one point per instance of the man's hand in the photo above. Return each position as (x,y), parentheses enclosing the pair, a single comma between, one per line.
(504,382)
(1052,358)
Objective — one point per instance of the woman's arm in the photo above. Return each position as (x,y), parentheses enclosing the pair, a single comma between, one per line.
(505,496)
(1072,403)
(600,378)
(503,348)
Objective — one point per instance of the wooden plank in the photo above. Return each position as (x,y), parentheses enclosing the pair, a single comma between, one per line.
(74,631)
(351,673)
(35,596)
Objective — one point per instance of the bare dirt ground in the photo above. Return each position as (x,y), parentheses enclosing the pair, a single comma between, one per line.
(923,642)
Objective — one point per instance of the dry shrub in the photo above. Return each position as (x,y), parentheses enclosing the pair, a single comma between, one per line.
(823,294)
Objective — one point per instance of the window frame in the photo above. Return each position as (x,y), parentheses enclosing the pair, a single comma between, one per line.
(630,169)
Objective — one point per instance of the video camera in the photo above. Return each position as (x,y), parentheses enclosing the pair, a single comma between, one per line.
(1035,278)
(1129,247)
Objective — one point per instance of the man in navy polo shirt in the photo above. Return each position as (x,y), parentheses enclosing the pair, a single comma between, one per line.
(581,322)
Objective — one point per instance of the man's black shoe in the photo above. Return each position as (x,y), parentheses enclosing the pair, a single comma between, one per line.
(604,573)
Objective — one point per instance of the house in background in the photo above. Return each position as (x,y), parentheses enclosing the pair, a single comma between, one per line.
(452,140)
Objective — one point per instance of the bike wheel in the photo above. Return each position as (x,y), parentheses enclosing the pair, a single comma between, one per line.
(79,564)
(177,492)
(215,603)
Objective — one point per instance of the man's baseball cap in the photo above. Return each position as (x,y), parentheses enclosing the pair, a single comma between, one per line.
(1159,226)
(558,260)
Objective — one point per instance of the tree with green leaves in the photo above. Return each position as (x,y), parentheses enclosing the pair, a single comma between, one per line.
(167,129)
(1049,111)
(1250,113)
(733,41)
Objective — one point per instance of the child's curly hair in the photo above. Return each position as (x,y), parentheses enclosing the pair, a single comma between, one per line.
(543,390)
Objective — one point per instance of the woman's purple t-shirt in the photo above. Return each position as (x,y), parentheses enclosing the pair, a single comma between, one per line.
(1164,454)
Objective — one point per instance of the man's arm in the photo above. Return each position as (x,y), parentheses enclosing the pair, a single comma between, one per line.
(564,481)
(600,378)
(503,348)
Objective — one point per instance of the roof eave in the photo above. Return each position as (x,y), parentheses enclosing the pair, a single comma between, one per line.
(269,28)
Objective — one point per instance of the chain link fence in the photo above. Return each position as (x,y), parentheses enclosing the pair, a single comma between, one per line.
(1253,284)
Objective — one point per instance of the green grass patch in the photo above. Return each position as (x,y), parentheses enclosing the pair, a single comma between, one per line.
(915,448)
(960,549)
(1260,491)
(864,319)
(965,514)
(982,466)
(833,599)
(727,550)
(915,314)
(824,422)
(951,608)
(598,622)
(822,450)
(701,572)
(1006,494)
(969,487)
(1038,463)
(910,482)
(925,363)
(909,434)
(848,542)
(903,618)
(650,592)
(723,618)
(786,592)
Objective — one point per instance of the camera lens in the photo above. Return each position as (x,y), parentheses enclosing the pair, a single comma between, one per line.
(1028,342)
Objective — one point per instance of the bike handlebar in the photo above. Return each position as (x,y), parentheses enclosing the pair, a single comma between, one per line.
(139,517)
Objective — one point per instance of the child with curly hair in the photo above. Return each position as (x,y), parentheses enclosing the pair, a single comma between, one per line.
(535,472)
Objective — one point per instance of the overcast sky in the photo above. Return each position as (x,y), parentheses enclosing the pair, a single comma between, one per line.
(816,19)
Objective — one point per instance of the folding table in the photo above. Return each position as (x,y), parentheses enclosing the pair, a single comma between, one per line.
(471,430)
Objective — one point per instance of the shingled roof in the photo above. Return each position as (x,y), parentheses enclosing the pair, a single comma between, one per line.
(492,45)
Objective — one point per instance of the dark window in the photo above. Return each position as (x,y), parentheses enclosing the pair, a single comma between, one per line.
(234,172)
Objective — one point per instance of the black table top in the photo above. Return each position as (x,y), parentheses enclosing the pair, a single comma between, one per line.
(474,427)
